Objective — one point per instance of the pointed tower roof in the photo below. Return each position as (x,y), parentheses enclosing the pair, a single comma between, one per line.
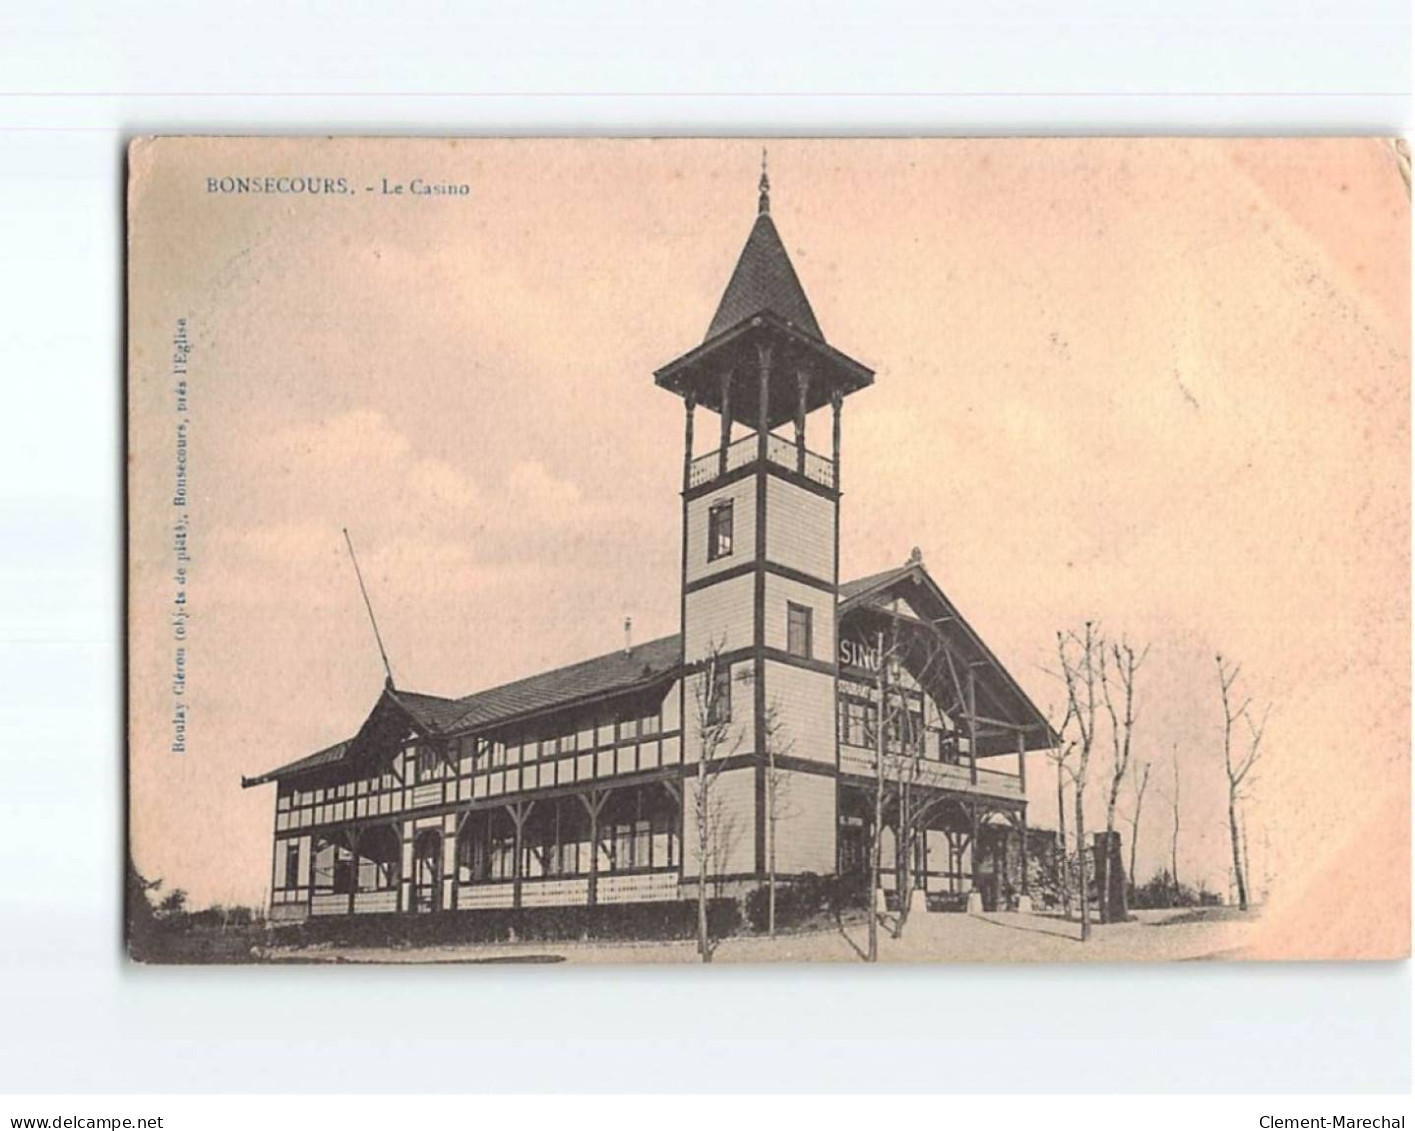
(764,279)
(763,314)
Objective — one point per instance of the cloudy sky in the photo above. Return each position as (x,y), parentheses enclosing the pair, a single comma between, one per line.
(1163,385)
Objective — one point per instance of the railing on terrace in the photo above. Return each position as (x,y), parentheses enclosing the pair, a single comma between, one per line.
(815,467)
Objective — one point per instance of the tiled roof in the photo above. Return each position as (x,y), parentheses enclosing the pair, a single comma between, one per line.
(430,712)
(764,280)
(326,757)
(852,589)
(603,675)
(617,671)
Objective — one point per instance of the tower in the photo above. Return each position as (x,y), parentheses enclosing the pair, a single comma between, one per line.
(760,565)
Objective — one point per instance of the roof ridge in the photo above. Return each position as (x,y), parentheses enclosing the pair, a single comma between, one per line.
(567,667)
(400,691)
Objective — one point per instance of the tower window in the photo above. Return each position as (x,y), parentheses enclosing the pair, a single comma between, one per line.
(720,530)
(798,630)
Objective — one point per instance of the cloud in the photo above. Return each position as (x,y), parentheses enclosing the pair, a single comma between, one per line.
(531,484)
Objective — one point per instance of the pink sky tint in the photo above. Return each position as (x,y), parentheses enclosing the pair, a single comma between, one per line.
(1163,384)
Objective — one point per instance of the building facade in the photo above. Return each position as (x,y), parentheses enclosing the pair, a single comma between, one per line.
(761,739)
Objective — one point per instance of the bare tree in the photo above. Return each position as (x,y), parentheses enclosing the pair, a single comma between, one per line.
(718,740)
(913,805)
(1122,727)
(1142,783)
(889,702)
(1238,762)
(913,809)
(1081,659)
(778,801)
(899,737)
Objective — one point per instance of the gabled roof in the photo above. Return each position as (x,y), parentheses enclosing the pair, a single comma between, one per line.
(616,673)
(764,280)
(430,713)
(999,694)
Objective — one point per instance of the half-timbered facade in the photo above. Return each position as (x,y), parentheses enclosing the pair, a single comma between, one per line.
(576,787)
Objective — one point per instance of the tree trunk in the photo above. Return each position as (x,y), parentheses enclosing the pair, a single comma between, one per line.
(1237,854)
(903,849)
(876,851)
(1247,862)
(1174,857)
(771,850)
(1084,895)
(1134,836)
(704,948)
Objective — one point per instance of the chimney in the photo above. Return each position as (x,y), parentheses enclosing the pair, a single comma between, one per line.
(628,636)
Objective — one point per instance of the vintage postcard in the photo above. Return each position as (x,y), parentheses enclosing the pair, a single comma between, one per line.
(628,551)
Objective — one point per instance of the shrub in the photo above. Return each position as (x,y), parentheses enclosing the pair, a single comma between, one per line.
(669,920)
(1162,892)
(847,891)
(798,900)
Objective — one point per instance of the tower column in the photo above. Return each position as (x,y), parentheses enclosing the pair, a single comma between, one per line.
(689,404)
(803,387)
(1022,762)
(726,421)
(836,402)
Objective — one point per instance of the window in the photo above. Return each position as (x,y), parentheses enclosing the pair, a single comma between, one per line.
(720,529)
(427,763)
(798,630)
(855,722)
(292,864)
(719,704)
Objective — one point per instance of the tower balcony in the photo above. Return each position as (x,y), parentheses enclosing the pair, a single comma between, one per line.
(779,451)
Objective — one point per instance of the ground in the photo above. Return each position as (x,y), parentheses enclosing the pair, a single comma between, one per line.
(998,937)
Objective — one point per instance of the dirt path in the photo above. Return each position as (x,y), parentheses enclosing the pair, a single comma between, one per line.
(1000,937)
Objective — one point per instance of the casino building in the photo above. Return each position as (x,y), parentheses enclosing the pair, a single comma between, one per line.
(577,786)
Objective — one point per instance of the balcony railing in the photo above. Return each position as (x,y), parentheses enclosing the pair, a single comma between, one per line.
(817,468)
(943,775)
